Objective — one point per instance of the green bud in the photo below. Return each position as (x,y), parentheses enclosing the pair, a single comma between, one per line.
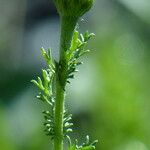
(74,8)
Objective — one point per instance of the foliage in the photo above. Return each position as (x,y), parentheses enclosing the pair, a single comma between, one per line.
(85,146)
(54,79)
(76,50)
(46,87)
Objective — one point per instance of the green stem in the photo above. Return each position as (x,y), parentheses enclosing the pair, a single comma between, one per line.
(67,28)
(59,107)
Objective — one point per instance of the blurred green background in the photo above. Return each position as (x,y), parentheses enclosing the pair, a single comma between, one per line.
(110,97)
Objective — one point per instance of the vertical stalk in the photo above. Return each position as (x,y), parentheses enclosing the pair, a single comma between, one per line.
(67,28)
(68,24)
(59,107)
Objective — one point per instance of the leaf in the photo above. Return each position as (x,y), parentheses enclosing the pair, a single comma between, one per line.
(40,84)
(88,36)
(35,83)
(85,146)
(47,57)
(44,54)
(47,79)
(82,37)
(72,148)
(75,41)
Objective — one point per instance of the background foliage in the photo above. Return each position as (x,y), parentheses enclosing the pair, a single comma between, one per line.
(109,97)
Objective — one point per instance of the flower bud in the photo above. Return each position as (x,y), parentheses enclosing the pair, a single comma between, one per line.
(73,8)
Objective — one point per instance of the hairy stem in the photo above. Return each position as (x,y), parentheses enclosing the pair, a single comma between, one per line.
(67,28)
